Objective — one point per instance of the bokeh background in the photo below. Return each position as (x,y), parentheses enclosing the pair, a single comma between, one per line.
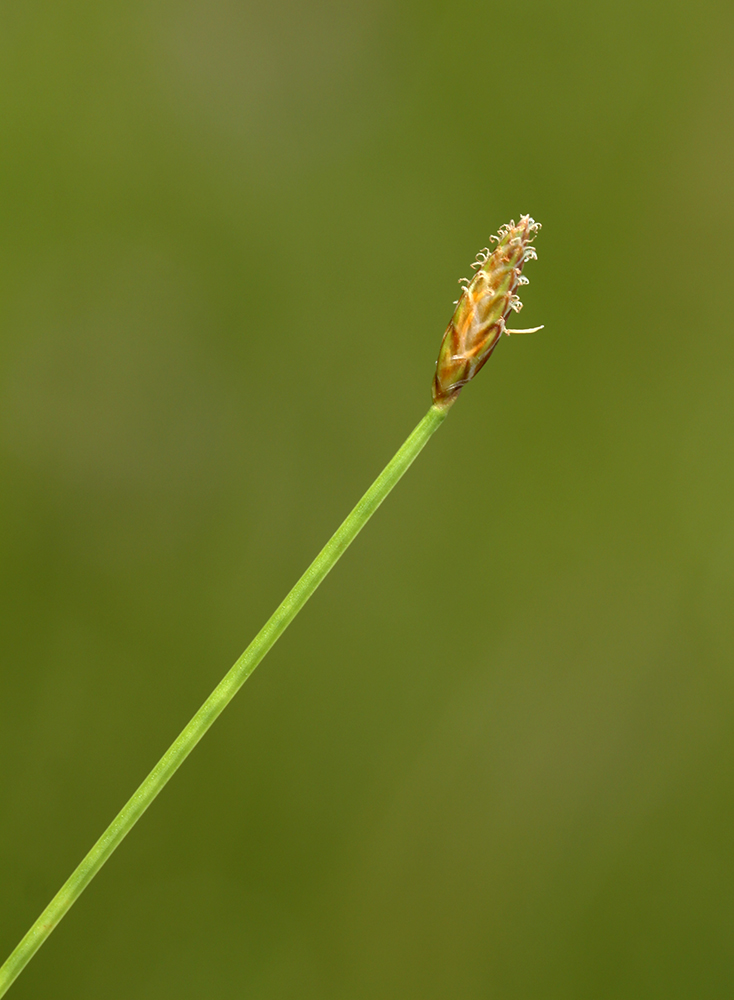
(494,758)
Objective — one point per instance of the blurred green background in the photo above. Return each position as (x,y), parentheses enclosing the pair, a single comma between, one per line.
(494,758)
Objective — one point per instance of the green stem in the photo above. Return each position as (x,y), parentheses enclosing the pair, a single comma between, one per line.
(219,698)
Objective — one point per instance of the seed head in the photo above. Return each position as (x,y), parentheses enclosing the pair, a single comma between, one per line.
(482,308)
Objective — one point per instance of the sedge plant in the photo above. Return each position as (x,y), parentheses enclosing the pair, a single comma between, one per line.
(474,331)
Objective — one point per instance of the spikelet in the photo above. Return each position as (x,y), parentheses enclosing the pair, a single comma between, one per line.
(481,310)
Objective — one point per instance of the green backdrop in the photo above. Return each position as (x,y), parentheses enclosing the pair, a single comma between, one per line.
(494,757)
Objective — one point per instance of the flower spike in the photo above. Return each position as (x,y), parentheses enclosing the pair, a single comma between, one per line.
(482,309)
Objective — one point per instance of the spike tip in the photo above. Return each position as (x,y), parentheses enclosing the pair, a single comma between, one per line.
(482,309)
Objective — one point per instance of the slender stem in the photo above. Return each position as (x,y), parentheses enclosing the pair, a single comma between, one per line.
(219,698)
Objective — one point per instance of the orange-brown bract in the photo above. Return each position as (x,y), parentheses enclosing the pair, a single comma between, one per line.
(479,318)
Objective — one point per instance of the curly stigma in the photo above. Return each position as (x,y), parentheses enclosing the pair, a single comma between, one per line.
(482,309)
